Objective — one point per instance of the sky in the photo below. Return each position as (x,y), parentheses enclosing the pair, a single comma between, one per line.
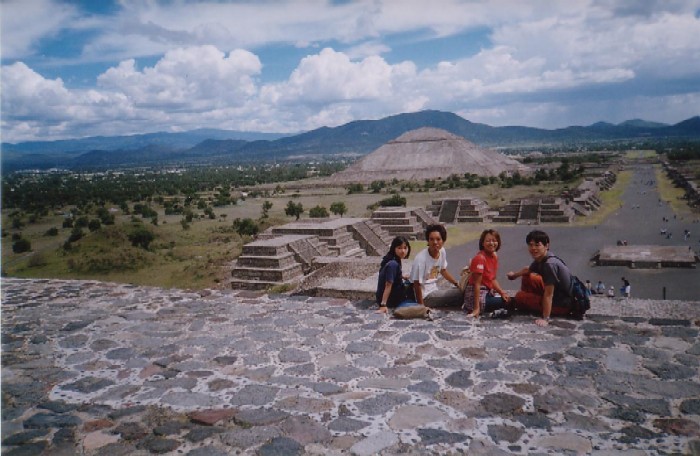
(72,69)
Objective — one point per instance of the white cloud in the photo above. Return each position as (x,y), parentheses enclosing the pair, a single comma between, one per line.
(196,78)
(532,52)
(25,22)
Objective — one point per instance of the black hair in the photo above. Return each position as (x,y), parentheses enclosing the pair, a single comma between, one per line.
(538,237)
(485,233)
(398,240)
(439,228)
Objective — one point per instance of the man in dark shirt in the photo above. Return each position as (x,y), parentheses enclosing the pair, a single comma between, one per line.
(546,283)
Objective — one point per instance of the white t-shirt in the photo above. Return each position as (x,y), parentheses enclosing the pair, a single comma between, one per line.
(426,270)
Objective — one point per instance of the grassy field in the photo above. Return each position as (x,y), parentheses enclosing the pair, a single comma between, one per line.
(672,194)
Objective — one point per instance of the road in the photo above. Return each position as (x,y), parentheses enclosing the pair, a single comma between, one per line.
(638,221)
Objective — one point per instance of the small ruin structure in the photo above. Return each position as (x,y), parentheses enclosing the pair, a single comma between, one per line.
(646,256)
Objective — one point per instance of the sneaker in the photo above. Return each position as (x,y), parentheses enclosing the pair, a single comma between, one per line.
(500,314)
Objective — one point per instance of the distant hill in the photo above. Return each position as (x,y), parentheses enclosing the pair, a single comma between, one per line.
(355,138)
(180,140)
(639,123)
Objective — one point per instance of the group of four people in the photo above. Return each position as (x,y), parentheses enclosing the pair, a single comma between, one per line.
(545,288)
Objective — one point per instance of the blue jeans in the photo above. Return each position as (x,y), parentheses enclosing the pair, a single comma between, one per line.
(493,303)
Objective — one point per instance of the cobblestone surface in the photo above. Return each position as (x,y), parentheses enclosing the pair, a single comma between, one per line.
(107,369)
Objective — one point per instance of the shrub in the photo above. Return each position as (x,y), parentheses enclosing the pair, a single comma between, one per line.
(141,237)
(394,200)
(318,212)
(245,227)
(51,232)
(339,208)
(76,234)
(94,225)
(81,222)
(294,209)
(355,188)
(22,245)
(17,223)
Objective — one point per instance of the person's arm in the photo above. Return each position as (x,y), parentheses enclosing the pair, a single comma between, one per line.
(418,292)
(446,274)
(477,295)
(501,291)
(385,297)
(546,306)
(514,275)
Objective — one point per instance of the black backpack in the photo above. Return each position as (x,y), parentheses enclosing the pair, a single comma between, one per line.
(408,292)
(580,300)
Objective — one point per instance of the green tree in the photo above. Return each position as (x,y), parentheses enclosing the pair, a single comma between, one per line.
(21,245)
(355,188)
(140,236)
(75,234)
(318,212)
(82,222)
(245,227)
(94,225)
(338,208)
(394,200)
(377,186)
(266,206)
(294,209)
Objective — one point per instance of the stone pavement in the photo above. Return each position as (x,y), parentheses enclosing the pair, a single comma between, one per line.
(111,369)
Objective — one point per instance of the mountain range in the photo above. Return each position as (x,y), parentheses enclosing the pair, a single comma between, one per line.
(209,146)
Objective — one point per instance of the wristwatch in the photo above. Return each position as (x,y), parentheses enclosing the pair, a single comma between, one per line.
(382,304)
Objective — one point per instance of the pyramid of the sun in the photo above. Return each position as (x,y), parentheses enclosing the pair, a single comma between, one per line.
(427,153)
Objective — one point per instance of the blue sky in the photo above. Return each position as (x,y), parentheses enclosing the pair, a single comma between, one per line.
(85,68)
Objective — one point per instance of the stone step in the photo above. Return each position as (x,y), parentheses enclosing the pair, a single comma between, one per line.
(471,219)
(403,229)
(379,214)
(336,240)
(285,274)
(397,221)
(266,261)
(357,252)
(253,284)
(254,249)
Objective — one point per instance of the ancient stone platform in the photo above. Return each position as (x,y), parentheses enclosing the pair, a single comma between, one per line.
(647,256)
(111,369)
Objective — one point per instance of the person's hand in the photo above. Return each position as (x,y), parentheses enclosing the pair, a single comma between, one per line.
(542,322)
(505,296)
(511,275)
(474,314)
(382,310)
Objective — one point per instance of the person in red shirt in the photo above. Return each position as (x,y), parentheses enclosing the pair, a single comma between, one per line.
(483,293)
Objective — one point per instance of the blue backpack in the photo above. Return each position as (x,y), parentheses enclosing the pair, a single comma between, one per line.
(580,299)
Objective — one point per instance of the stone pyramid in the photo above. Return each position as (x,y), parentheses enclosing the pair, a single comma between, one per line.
(427,153)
